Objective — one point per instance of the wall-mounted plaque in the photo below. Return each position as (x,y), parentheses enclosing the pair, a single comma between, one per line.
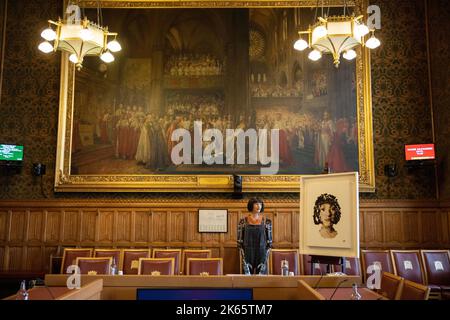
(212,220)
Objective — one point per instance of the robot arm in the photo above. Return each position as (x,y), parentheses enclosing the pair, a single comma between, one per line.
(240,244)
(262,267)
(269,235)
(240,234)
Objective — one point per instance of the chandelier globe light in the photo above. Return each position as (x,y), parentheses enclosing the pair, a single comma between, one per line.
(79,37)
(336,35)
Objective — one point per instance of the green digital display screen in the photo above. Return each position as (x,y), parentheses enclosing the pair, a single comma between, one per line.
(9,152)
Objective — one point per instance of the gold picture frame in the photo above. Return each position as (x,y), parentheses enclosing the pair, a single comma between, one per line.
(65,181)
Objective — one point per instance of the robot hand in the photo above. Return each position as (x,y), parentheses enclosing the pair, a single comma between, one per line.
(262,268)
(247,268)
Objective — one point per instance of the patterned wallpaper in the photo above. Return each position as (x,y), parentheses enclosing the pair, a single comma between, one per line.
(400,102)
(30,95)
(439,24)
(401,109)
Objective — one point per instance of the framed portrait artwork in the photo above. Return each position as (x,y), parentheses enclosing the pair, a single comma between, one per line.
(219,65)
(329,215)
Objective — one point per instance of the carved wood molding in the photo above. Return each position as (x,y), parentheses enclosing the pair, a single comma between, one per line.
(445,204)
(208,3)
(205,203)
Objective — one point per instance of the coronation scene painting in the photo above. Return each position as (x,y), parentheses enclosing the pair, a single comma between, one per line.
(229,69)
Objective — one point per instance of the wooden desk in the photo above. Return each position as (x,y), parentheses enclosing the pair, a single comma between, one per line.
(345,294)
(10,280)
(285,288)
(91,290)
(264,287)
(43,293)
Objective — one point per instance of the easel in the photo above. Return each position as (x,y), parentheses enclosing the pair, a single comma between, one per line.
(329,261)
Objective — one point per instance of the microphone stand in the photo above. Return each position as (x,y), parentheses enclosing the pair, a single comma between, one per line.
(320,279)
(337,287)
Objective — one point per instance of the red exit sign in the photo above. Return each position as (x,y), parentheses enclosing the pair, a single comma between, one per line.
(419,151)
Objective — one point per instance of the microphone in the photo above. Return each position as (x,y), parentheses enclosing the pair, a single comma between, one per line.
(41,285)
(337,287)
(50,291)
(320,279)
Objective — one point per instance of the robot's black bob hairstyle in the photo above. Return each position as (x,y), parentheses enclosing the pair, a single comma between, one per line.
(252,201)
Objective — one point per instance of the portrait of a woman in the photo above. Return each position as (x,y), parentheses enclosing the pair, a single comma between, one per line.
(327,212)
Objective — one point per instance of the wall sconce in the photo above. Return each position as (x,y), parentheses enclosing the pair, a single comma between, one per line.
(38,169)
(237,186)
(390,170)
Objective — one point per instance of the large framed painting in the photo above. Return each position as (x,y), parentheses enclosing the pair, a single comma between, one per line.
(212,66)
(329,215)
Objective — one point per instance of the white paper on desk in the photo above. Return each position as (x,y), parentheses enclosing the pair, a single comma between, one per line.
(408,265)
(347,264)
(135,264)
(438,265)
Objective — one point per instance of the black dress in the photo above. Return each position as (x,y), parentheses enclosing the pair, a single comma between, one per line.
(255,240)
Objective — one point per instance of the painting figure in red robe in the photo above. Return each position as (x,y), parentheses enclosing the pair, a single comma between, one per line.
(336,157)
(285,153)
(173,126)
(324,139)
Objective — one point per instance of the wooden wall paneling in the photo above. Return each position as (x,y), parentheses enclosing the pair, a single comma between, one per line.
(411,227)
(18,226)
(16,258)
(141,227)
(71,226)
(133,226)
(362,240)
(158,227)
(215,252)
(393,228)
(230,237)
(47,252)
(193,237)
(176,228)
(105,228)
(373,228)
(210,239)
(221,244)
(282,228)
(4,216)
(295,228)
(430,228)
(230,260)
(53,226)
(5,262)
(35,258)
(445,226)
(88,225)
(2,258)
(35,226)
(123,226)
(30,232)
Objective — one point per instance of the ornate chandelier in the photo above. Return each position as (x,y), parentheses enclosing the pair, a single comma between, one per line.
(335,35)
(80,37)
